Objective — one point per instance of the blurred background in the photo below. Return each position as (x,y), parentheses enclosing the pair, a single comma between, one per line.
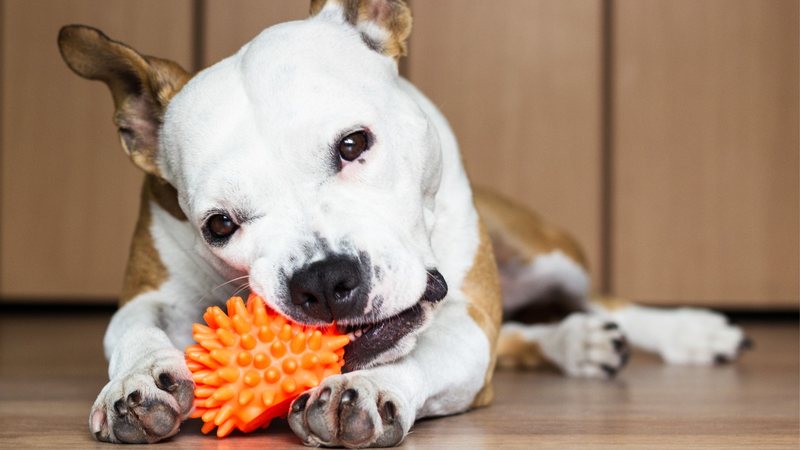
(662,133)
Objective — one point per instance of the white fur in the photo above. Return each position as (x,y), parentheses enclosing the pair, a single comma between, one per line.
(554,270)
(681,336)
(253,133)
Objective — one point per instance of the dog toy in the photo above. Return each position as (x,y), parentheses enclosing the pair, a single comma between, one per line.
(249,364)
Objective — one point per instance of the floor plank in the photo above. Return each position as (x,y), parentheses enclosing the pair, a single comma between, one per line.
(51,368)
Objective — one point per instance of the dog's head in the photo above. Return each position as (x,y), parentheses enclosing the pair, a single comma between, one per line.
(302,161)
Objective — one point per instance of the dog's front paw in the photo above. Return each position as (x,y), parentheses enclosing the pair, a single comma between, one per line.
(146,405)
(350,411)
(587,346)
(699,337)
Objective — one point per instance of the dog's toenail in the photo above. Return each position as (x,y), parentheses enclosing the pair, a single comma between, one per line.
(610,371)
(389,411)
(746,344)
(624,357)
(610,326)
(619,344)
(324,396)
(120,407)
(167,382)
(349,396)
(300,403)
(134,398)
(721,359)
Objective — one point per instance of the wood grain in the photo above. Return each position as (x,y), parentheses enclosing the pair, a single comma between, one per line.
(51,369)
(519,81)
(229,24)
(69,194)
(706,152)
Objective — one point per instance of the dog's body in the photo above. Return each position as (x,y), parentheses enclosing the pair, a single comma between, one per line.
(305,169)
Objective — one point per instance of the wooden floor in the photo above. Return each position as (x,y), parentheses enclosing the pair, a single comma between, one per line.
(51,368)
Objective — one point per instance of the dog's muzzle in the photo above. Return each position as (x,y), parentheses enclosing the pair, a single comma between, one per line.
(370,341)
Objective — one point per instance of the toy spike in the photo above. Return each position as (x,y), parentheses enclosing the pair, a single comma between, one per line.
(250,363)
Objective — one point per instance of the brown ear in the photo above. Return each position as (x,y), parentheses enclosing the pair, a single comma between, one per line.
(384,24)
(142,86)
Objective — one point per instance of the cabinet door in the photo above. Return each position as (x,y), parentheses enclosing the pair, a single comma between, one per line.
(519,81)
(69,196)
(705,201)
(229,24)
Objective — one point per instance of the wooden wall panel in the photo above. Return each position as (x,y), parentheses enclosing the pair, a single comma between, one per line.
(520,82)
(706,152)
(69,195)
(229,24)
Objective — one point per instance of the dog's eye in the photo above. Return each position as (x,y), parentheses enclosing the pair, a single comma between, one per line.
(218,228)
(353,145)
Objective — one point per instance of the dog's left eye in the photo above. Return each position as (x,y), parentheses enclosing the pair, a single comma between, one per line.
(353,145)
(218,228)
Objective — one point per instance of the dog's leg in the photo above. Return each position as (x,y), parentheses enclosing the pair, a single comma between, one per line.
(376,407)
(681,335)
(150,389)
(582,345)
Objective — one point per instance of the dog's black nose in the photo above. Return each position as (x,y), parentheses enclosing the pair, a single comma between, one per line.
(330,289)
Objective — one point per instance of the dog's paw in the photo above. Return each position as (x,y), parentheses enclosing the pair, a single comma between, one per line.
(699,337)
(349,411)
(588,346)
(146,405)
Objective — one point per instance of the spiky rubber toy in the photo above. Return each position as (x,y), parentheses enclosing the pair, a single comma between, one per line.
(249,364)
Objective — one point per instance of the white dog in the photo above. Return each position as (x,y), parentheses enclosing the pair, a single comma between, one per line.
(307,170)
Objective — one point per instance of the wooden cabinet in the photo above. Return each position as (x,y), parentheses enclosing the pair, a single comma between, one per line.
(69,194)
(662,133)
(519,81)
(705,154)
(229,24)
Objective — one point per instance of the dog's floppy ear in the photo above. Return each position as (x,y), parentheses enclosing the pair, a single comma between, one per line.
(142,86)
(384,24)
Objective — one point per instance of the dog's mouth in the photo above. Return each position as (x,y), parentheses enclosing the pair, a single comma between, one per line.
(368,341)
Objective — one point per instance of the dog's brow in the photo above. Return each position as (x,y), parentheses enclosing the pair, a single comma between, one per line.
(244,215)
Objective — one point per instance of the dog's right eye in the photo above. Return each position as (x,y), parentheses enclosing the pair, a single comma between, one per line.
(219,228)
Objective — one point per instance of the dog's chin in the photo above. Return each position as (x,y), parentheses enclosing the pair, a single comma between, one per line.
(385,340)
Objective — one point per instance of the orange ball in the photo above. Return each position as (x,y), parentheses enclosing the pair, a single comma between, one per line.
(249,364)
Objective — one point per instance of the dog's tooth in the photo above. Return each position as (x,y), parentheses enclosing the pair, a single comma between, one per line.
(358,333)
(351,336)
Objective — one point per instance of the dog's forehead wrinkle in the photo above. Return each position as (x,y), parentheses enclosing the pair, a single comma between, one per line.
(324,44)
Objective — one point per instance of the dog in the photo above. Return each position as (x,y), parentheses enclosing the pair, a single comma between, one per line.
(304,169)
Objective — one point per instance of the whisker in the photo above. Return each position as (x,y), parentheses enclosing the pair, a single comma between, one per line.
(229,282)
(211,292)
(241,288)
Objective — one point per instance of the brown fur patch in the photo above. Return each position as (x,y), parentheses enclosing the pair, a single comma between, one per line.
(518,234)
(393,16)
(145,271)
(515,352)
(482,288)
(165,196)
(610,303)
(141,86)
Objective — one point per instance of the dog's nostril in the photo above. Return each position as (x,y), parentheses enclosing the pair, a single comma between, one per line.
(308,299)
(341,291)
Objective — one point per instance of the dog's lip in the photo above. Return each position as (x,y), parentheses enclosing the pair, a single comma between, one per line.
(370,340)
